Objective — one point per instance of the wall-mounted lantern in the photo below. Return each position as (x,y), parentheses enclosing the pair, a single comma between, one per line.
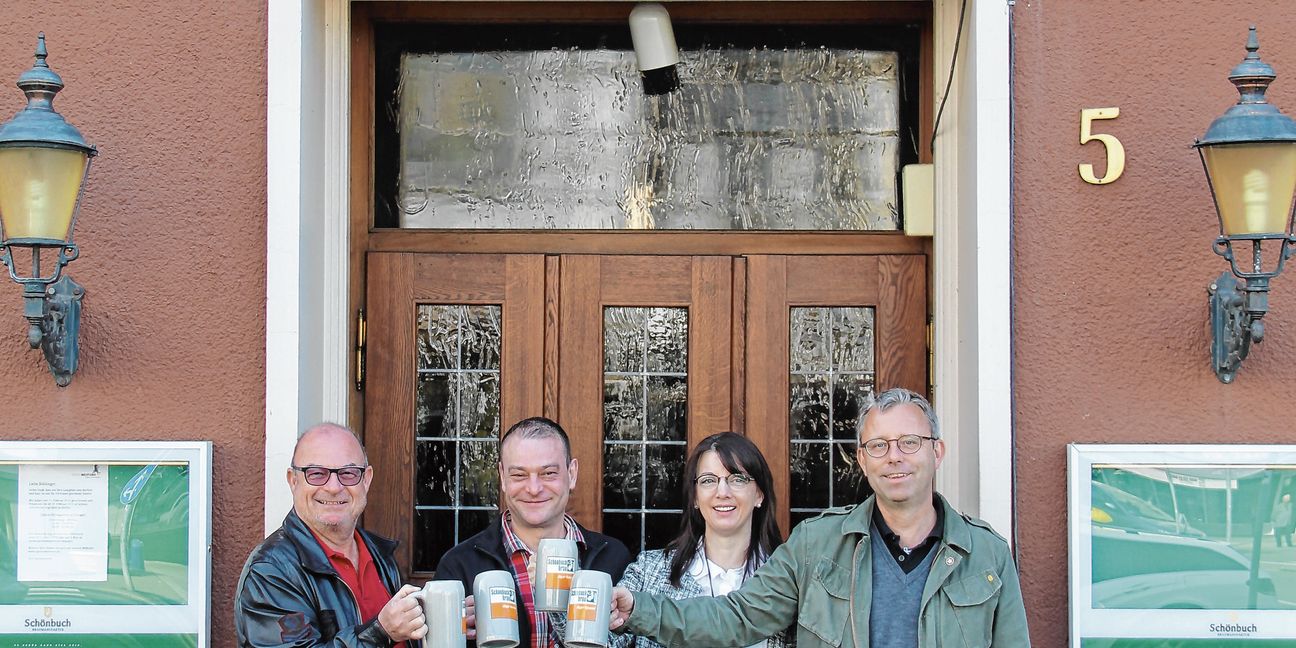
(1249,154)
(43,165)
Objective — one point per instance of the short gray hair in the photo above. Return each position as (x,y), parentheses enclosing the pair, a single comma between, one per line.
(897,396)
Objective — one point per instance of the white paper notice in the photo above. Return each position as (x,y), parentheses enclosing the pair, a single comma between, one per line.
(62,522)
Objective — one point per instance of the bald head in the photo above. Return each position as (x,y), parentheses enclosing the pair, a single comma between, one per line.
(331,435)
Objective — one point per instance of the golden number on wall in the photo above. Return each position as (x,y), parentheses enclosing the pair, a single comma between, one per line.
(1115,150)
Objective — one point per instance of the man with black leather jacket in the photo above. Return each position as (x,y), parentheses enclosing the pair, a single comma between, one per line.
(537,474)
(319,580)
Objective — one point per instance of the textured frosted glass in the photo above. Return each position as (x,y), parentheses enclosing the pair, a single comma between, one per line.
(434,458)
(849,392)
(664,476)
(645,422)
(438,337)
(754,139)
(623,407)
(623,476)
(810,413)
(831,360)
(479,403)
(667,330)
(456,424)
(434,408)
(809,479)
(478,473)
(852,331)
(479,345)
(667,408)
(809,342)
(623,339)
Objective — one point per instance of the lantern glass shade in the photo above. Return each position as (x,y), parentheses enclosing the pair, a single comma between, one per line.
(38,190)
(1253,184)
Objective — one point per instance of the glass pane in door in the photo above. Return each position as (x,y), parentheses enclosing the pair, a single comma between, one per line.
(456,426)
(645,398)
(831,373)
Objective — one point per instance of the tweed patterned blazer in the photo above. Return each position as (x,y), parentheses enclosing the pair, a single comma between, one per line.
(650,572)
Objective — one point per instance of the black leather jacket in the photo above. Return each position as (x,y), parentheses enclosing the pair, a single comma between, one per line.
(290,595)
(485,551)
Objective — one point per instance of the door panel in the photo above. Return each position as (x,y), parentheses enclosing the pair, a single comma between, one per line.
(890,286)
(597,289)
(422,412)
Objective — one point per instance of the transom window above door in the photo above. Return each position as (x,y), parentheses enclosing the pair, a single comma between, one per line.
(771,129)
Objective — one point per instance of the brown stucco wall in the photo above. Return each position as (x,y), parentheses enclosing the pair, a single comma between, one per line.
(172,232)
(1109,297)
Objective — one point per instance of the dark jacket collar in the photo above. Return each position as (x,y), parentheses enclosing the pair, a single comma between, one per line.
(312,554)
(957,534)
(491,542)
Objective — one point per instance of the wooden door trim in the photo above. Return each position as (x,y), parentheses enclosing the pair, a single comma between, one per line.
(743,12)
(390,396)
(709,356)
(580,391)
(659,243)
(767,330)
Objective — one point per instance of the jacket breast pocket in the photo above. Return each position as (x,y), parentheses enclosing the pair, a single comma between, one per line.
(825,608)
(973,601)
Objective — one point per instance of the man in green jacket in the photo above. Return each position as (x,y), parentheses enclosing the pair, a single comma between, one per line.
(901,570)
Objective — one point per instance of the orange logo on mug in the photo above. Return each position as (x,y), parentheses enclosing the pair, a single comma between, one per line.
(583,604)
(502,603)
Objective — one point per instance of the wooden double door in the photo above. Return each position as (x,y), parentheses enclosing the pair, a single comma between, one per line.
(639,358)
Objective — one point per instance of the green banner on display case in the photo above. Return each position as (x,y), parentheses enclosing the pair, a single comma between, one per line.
(99,641)
(105,544)
(1181,546)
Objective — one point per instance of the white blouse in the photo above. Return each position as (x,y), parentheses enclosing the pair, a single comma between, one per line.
(717,580)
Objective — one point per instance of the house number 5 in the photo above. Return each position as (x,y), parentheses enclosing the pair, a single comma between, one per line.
(1115,151)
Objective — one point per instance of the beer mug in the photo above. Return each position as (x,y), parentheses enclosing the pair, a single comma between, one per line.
(497,609)
(556,561)
(443,608)
(589,609)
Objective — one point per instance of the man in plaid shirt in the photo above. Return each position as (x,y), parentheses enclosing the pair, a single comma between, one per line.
(537,474)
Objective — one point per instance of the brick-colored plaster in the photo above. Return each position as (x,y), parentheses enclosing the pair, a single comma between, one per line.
(1110,328)
(173,237)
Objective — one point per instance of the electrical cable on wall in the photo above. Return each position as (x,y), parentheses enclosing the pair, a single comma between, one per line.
(958,36)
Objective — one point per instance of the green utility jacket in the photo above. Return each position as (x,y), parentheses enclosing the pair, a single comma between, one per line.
(821,581)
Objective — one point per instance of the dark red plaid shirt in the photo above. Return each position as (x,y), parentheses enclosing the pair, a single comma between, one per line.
(542,631)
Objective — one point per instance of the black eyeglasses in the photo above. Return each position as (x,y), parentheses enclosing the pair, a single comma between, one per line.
(908,444)
(319,475)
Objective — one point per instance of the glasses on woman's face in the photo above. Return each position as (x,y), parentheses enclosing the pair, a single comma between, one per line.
(737,481)
(908,444)
(319,475)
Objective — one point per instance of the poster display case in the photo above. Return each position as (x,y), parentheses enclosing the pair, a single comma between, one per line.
(1181,546)
(105,544)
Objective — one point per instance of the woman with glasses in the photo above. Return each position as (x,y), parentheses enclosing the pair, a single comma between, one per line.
(727,532)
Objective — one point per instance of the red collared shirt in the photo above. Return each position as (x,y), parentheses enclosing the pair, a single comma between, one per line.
(365,583)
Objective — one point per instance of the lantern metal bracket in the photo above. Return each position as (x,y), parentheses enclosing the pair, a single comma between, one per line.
(51,304)
(1237,307)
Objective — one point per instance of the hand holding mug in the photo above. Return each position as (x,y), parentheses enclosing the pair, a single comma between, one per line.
(622,606)
(470,616)
(402,617)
